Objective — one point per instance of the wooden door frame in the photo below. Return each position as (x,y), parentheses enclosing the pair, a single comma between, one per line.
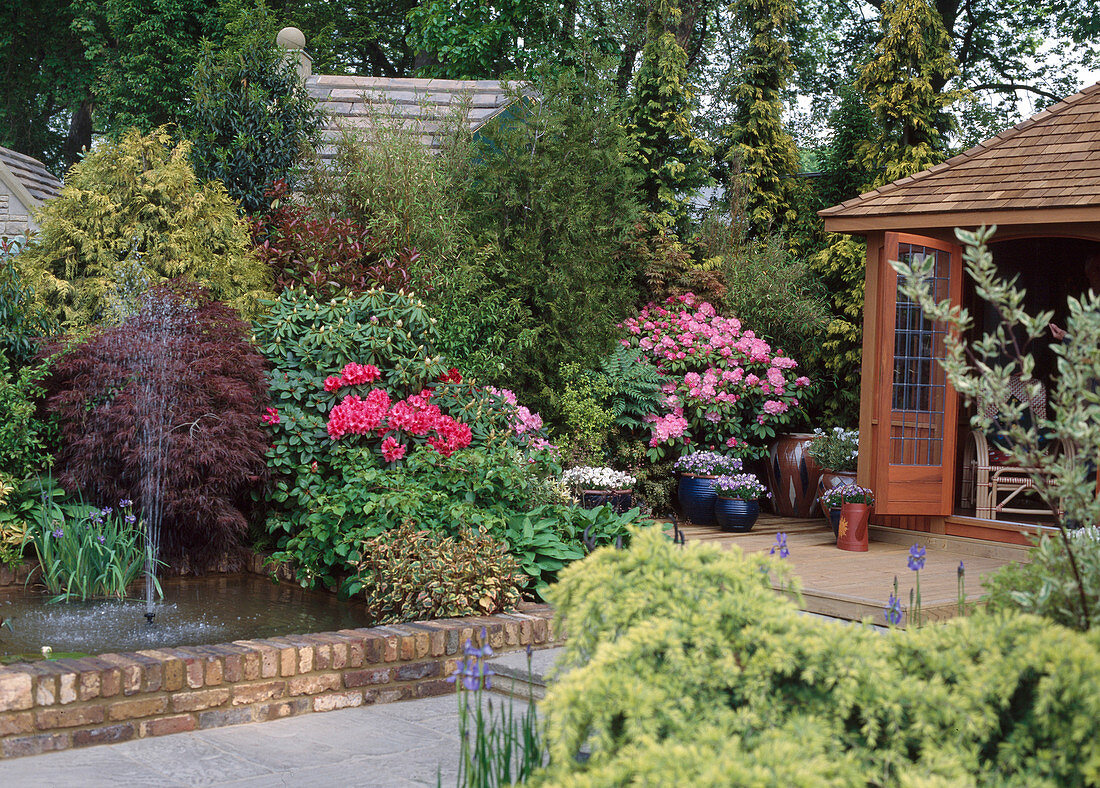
(878,368)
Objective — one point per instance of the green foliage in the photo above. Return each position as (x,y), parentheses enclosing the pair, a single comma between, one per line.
(49,78)
(22,320)
(903,87)
(24,440)
(551,203)
(840,267)
(685,668)
(409,574)
(984,369)
(635,386)
(585,416)
(1046,585)
(671,158)
(135,203)
(476,40)
(767,287)
(844,173)
(249,118)
(762,151)
(306,339)
(386,180)
(83,552)
(656,480)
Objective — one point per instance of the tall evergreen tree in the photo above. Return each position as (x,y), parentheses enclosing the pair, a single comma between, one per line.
(762,151)
(912,56)
(912,59)
(671,157)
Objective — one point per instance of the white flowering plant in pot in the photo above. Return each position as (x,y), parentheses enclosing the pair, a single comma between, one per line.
(836,450)
(586,477)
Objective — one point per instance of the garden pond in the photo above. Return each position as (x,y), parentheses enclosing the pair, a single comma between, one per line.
(194,611)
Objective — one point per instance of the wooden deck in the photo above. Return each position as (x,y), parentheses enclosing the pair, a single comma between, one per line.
(855,586)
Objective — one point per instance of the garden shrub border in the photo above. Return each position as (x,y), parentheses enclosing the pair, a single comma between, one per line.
(66,703)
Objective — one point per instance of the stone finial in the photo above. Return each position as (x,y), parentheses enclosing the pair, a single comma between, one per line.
(293,41)
(291,38)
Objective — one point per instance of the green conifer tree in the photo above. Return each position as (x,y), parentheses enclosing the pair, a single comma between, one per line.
(672,158)
(913,55)
(761,150)
(910,124)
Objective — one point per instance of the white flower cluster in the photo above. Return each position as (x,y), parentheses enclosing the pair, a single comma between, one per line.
(585,477)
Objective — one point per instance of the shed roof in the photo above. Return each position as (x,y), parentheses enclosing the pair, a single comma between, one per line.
(30,173)
(1045,169)
(420,105)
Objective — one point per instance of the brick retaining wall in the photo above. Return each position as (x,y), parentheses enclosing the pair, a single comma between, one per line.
(58,704)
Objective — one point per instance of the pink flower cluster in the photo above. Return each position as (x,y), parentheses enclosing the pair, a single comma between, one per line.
(375,414)
(352,375)
(721,381)
(271,416)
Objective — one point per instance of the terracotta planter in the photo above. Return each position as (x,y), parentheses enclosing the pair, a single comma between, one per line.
(733,514)
(793,475)
(829,480)
(697,498)
(852,533)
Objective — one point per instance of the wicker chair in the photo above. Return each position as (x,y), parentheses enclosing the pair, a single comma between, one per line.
(991,482)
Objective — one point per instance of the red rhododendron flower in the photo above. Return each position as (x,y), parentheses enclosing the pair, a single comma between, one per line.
(392,450)
(452,375)
(333,383)
(355,374)
(270,417)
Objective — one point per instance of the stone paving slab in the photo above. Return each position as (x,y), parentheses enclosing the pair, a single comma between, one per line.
(394,745)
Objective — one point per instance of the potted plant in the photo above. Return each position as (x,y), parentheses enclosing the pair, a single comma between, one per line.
(696,490)
(855,510)
(738,502)
(837,453)
(831,501)
(600,486)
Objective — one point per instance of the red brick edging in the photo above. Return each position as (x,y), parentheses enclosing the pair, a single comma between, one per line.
(59,704)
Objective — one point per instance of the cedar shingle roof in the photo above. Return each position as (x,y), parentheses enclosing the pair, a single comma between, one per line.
(35,178)
(421,105)
(1049,161)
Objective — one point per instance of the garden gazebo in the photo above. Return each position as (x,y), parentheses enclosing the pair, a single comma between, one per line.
(1039,183)
(25,184)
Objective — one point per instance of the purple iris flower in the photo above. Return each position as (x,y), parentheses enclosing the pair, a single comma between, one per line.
(893,611)
(58,534)
(101,539)
(131,519)
(916,558)
(780,545)
(124,503)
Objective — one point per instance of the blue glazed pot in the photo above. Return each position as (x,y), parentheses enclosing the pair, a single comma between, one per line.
(834,521)
(697,497)
(734,514)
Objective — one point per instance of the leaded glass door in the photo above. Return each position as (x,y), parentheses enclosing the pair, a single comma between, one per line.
(915,424)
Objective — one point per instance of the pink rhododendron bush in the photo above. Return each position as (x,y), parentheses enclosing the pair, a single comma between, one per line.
(724,386)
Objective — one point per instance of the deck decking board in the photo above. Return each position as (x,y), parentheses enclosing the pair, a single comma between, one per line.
(855,586)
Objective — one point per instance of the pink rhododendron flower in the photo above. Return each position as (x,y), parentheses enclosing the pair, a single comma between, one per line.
(393,451)
(356,374)
(333,383)
(271,416)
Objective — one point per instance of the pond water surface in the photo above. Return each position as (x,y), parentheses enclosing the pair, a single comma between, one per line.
(195,611)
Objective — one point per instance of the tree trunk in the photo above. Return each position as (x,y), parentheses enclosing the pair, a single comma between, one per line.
(79,138)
